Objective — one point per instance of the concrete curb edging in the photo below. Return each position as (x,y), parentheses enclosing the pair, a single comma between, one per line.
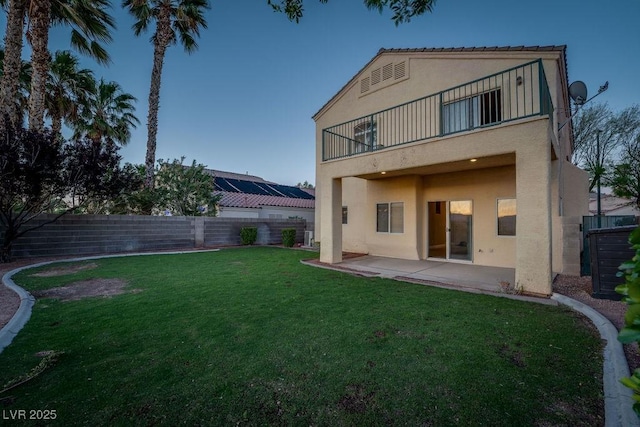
(617,398)
(23,314)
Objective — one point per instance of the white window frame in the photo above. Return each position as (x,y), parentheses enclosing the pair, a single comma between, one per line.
(472,112)
(365,135)
(390,225)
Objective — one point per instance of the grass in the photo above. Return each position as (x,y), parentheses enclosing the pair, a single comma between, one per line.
(251,336)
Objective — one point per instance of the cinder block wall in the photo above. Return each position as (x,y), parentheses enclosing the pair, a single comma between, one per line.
(79,235)
(226,231)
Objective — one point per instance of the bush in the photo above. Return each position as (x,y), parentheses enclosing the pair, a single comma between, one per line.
(630,333)
(288,237)
(248,235)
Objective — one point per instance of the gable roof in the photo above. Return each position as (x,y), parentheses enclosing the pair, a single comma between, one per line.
(382,51)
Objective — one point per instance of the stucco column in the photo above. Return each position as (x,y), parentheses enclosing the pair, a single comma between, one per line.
(331,221)
(533,227)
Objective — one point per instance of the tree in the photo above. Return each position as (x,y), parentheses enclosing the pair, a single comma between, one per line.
(599,134)
(174,20)
(12,62)
(95,168)
(107,115)
(625,178)
(403,10)
(594,141)
(68,88)
(40,173)
(87,16)
(21,97)
(185,190)
(305,184)
(90,24)
(139,200)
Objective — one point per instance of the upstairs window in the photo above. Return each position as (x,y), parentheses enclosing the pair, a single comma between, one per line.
(472,112)
(345,214)
(365,136)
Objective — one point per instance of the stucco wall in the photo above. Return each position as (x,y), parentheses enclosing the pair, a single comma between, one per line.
(238,213)
(427,74)
(267,212)
(575,206)
(354,197)
(483,187)
(396,245)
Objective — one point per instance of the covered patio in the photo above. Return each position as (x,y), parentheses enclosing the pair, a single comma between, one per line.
(451,275)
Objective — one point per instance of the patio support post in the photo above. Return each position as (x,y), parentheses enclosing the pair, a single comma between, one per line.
(533,226)
(331,217)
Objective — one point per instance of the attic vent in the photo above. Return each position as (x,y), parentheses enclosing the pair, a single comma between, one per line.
(399,70)
(375,76)
(387,71)
(364,85)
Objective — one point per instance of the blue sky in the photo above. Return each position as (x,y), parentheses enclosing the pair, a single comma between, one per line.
(243,102)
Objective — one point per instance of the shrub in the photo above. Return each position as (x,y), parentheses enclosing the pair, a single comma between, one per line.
(630,270)
(248,235)
(288,237)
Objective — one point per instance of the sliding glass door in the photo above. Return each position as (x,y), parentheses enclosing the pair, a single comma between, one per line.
(450,227)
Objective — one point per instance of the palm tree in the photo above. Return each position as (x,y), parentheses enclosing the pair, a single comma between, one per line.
(108,115)
(90,25)
(38,37)
(19,106)
(12,62)
(174,19)
(68,88)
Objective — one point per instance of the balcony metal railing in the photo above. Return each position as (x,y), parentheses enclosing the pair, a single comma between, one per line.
(512,94)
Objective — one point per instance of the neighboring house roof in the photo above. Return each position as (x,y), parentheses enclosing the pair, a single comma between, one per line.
(611,205)
(249,191)
(243,200)
(234,175)
(551,48)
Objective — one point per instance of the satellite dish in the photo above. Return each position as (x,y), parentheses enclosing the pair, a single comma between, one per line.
(578,92)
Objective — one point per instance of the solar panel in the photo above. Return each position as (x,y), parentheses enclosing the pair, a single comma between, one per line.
(266,189)
(248,187)
(294,192)
(221,184)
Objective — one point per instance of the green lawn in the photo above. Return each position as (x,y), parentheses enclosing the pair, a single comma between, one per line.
(251,336)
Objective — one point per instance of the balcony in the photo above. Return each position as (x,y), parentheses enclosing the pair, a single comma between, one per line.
(512,94)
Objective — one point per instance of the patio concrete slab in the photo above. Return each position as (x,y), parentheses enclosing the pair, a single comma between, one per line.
(450,273)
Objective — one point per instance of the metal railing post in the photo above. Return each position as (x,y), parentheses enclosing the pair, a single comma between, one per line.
(441,114)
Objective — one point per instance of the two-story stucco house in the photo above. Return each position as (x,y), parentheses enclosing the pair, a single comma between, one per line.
(457,154)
